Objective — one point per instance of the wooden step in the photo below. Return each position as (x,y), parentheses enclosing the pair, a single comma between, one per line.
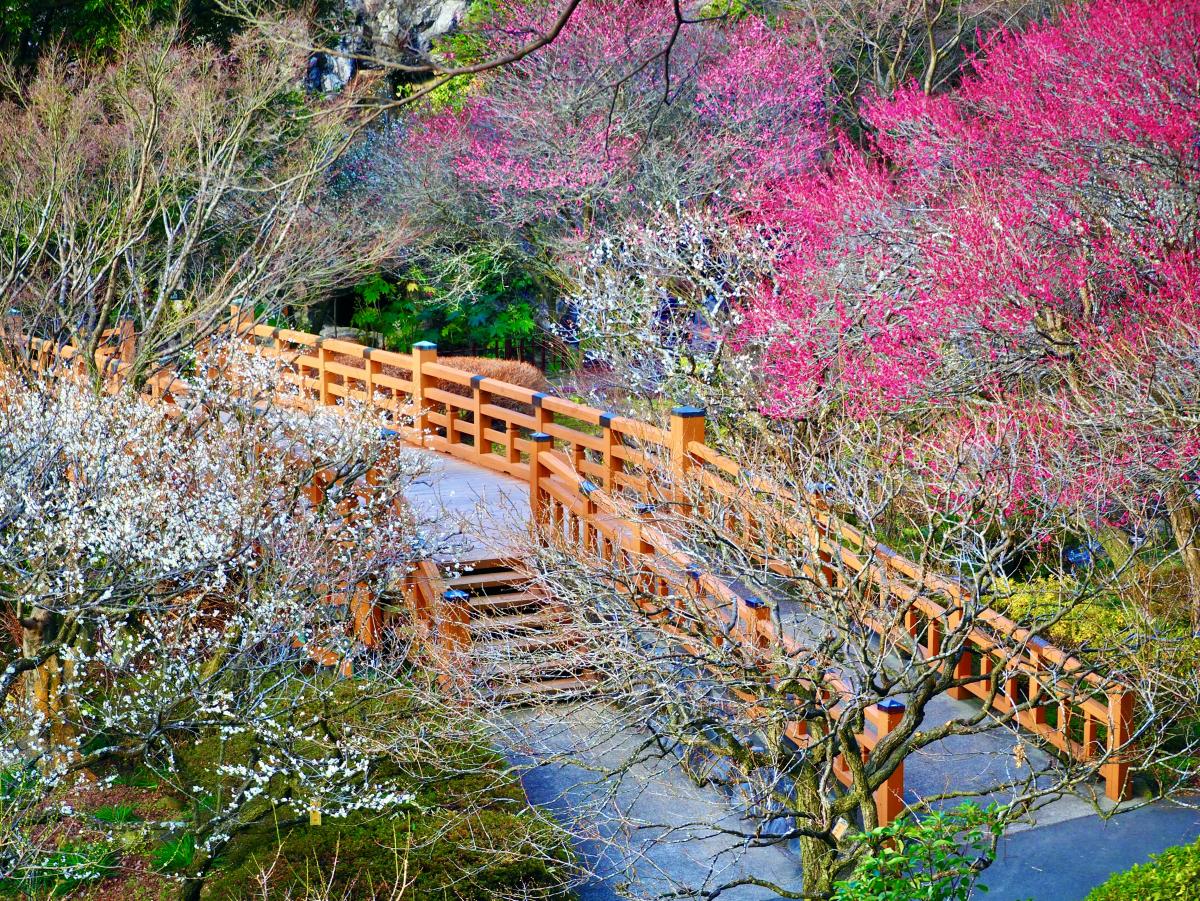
(476,581)
(546,689)
(537,620)
(481,604)
(551,665)
(510,646)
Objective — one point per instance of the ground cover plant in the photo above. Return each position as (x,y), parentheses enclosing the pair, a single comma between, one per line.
(1171,874)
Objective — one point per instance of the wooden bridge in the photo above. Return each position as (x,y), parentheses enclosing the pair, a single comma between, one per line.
(596,479)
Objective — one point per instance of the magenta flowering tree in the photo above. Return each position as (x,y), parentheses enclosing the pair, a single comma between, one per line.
(635,105)
(1028,242)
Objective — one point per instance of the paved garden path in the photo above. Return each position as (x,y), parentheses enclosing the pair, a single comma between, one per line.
(479,513)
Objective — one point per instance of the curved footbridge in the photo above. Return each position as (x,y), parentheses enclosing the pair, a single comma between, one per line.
(505,456)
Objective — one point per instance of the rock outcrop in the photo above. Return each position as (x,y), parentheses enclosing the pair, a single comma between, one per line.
(400,31)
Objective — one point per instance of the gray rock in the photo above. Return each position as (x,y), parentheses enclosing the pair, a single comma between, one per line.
(406,29)
(401,31)
(347,333)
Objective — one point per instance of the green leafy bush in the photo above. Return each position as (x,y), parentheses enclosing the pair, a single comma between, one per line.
(1094,621)
(397,310)
(175,854)
(498,310)
(1173,875)
(935,858)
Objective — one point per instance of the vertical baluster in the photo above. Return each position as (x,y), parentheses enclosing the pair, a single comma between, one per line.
(542,444)
(687,426)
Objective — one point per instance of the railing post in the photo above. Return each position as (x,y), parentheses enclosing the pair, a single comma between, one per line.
(538,509)
(423,353)
(757,616)
(479,397)
(1117,784)
(889,797)
(368,618)
(612,463)
(455,615)
(239,321)
(324,395)
(421,591)
(962,663)
(454,635)
(687,425)
(539,412)
(373,368)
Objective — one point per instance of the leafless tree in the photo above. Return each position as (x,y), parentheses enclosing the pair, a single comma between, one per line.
(821,679)
(153,193)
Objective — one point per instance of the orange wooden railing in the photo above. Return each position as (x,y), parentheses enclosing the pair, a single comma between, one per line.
(492,424)
(585,518)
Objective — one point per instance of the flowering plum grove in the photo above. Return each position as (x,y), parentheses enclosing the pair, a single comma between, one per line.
(633,106)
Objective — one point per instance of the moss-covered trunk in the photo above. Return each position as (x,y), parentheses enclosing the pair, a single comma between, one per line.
(49,697)
(1185,525)
(818,858)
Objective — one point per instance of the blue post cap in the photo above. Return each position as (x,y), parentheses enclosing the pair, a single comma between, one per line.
(456,596)
(386,433)
(687,412)
(891,705)
(424,345)
(540,437)
(644,509)
(754,602)
(586,488)
(693,572)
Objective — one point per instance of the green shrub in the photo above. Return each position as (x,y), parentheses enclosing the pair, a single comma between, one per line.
(116,814)
(1095,621)
(175,854)
(935,858)
(472,856)
(1173,875)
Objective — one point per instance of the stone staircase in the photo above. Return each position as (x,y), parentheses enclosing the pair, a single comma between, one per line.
(523,646)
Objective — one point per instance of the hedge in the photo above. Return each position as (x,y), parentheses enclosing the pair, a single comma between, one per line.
(1173,875)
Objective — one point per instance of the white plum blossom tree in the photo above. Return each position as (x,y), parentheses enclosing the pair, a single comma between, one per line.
(203,575)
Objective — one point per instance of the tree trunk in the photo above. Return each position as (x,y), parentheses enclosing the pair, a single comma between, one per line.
(193,878)
(48,693)
(818,859)
(1185,524)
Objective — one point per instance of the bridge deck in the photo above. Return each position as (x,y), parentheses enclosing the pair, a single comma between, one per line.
(477,514)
